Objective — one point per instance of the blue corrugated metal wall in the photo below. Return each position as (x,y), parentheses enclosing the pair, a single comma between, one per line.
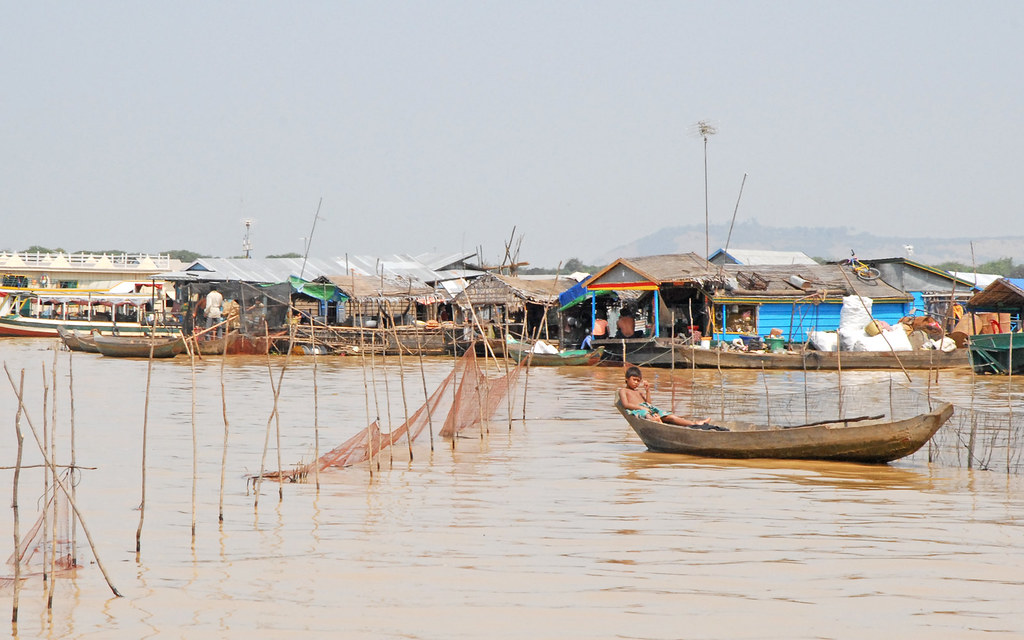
(796,321)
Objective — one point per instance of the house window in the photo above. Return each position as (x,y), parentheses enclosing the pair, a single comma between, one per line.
(741,318)
(13,281)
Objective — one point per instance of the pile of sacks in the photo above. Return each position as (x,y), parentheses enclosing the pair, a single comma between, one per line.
(858,332)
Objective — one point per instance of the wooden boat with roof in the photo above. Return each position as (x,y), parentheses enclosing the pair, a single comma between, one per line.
(869,439)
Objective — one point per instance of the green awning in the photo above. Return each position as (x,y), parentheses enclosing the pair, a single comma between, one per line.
(325,292)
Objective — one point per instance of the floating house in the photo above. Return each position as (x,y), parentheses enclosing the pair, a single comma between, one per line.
(526,305)
(681,295)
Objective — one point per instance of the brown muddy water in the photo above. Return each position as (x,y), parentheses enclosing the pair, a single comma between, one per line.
(563,526)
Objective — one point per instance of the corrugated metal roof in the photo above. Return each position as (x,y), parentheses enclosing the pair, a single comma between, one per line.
(438,261)
(274,270)
(261,270)
(764,256)
(979,280)
(828,279)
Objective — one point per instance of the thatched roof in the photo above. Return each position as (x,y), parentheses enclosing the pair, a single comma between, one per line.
(394,289)
(508,290)
(1005,294)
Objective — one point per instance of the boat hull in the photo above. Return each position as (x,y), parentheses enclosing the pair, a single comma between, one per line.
(872,441)
(139,347)
(571,358)
(1001,353)
(22,327)
(659,352)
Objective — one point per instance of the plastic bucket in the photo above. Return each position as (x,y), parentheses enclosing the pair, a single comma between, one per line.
(775,345)
(705,343)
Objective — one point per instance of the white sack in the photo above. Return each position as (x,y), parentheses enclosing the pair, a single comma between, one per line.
(897,341)
(823,340)
(855,313)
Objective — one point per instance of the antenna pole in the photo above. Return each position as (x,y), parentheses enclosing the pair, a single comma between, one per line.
(706,130)
(305,257)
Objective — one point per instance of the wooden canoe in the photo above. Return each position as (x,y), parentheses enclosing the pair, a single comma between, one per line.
(139,347)
(568,358)
(865,440)
(77,340)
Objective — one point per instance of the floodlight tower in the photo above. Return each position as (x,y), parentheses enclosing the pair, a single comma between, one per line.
(706,130)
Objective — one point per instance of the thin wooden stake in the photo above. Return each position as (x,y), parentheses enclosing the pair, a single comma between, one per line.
(316,411)
(14,506)
(145,432)
(60,483)
(224,449)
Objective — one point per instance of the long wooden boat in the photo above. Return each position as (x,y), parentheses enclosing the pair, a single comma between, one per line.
(567,358)
(77,340)
(1001,353)
(659,352)
(37,313)
(139,347)
(873,440)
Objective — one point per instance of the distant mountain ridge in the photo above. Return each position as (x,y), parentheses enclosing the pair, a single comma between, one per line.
(831,243)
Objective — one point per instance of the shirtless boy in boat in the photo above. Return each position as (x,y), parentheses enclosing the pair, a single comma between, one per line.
(634,398)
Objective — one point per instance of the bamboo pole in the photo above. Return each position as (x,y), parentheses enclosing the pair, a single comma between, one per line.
(672,374)
(376,398)
(74,463)
(145,433)
(384,374)
(767,396)
(60,484)
(224,449)
(504,352)
(274,415)
(14,505)
(195,444)
(357,318)
(401,377)
(426,394)
(316,412)
(47,476)
(53,456)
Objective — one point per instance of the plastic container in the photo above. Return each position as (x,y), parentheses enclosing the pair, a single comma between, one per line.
(774,344)
(705,343)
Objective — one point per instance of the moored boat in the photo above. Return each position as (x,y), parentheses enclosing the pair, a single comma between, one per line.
(660,352)
(1001,353)
(139,346)
(567,358)
(77,340)
(871,439)
(37,313)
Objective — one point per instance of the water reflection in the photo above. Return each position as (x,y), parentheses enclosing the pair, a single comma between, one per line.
(562,526)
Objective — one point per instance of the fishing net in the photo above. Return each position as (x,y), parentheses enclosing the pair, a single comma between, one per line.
(38,543)
(474,400)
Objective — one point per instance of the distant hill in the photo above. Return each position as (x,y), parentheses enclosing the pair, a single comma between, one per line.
(831,243)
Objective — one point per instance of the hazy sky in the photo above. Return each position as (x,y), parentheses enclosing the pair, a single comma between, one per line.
(429,125)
